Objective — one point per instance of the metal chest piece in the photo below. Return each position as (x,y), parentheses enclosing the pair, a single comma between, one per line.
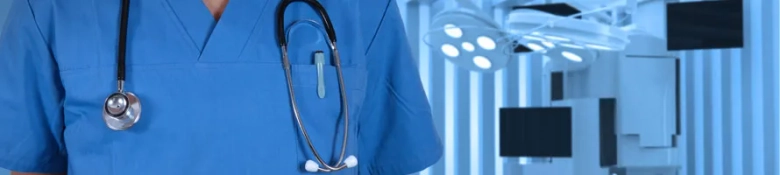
(121,110)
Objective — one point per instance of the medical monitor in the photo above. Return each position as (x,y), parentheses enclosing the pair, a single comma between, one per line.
(535,132)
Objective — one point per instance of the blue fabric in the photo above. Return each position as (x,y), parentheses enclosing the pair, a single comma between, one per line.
(214,95)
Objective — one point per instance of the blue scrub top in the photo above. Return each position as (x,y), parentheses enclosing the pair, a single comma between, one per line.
(214,95)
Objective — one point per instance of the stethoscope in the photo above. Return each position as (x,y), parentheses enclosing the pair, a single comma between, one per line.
(122,109)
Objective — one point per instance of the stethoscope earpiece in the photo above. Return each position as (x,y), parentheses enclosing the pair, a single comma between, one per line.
(312,166)
(121,110)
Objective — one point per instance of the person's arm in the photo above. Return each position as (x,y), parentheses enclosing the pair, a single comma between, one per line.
(396,130)
(31,122)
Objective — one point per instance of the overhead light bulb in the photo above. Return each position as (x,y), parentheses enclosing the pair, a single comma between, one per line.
(450,50)
(529,37)
(467,46)
(482,62)
(573,46)
(486,43)
(556,38)
(534,47)
(548,44)
(453,31)
(571,56)
(598,47)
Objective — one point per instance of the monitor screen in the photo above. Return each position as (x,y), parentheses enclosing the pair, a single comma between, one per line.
(535,132)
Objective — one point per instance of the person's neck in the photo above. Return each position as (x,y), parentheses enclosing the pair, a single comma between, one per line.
(216,7)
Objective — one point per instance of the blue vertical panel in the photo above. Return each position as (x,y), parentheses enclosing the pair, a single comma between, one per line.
(535,80)
(462,116)
(477,131)
(706,109)
(736,112)
(437,94)
(488,101)
(411,16)
(690,131)
(747,85)
(775,46)
(715,102)
(747,104)
(683,138)
(450,146)
(726,108)
(757,85)
(769,59)
(698,101)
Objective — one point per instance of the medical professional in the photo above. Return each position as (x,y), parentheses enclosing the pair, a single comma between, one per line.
(225,92)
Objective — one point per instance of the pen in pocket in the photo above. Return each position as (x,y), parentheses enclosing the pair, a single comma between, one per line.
(319,61)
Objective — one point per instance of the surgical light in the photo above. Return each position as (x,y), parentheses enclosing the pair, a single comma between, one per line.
(534,47)
(597,47)
(573,46)
(450,50)
(548,44)
(486,43)
(469,39)
(482,62)
(529,37)
(453,31)
(571,56)
(569,59)
(467,46)
(567,29)
(557,38)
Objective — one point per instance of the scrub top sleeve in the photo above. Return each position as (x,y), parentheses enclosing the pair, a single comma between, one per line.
(396,129)
(31,125)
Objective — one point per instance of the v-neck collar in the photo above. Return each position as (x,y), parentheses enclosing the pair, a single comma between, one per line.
(196,20)
(223,40)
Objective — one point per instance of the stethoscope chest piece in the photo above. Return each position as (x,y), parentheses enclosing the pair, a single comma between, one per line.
(121,110)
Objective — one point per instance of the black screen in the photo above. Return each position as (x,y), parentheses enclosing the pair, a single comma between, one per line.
(535,132)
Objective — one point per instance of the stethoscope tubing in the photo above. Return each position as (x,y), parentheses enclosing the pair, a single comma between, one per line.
(121,109)
(282,40)
(122,50)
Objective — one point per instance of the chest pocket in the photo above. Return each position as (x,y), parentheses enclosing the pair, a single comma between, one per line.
(324,117)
